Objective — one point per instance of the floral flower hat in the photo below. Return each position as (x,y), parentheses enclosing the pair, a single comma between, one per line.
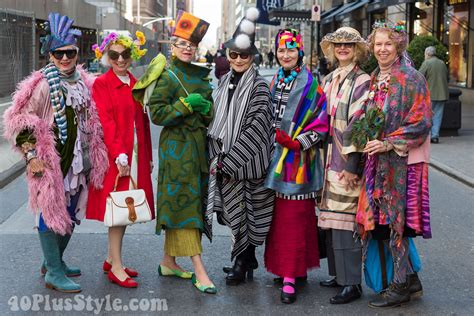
(125,41)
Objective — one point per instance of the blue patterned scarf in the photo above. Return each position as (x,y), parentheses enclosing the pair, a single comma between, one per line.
(51,73)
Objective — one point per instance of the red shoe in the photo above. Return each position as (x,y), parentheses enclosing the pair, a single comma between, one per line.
(131,272)
(128,282)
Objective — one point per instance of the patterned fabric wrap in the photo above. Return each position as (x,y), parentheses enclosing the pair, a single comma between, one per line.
(346,99)
(51,73)
(243,202)
(183,161)
(294,173)
(289,38)
(408,114)
(59,34)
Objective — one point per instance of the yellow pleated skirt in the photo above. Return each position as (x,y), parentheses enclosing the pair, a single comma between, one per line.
(184,242)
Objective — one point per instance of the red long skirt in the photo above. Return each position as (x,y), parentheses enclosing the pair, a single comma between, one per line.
(292,244)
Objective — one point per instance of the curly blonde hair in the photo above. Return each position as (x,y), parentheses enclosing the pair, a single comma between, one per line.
(399,38)
(360,54)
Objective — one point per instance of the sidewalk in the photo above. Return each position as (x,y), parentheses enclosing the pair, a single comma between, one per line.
(453,156)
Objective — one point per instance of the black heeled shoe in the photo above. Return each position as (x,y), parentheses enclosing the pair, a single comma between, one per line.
(288,298)
(249,256)
(239,272)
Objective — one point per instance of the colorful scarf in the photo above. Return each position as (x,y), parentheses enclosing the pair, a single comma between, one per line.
(300,172)
(308,116)
(407,110)
(51,73)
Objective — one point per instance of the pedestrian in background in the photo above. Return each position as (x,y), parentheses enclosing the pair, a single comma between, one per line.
(240,140)
(270,57)
(128,140)
(54,123)
(394,200)
(181,102)
(296,173)
(346,88)
(436,74)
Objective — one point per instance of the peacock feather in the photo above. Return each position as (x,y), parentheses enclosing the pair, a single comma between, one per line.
(368,128)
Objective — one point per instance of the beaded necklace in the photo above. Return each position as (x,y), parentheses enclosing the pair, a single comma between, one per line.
(292,76)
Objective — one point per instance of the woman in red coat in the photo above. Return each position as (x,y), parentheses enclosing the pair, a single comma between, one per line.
(127,137)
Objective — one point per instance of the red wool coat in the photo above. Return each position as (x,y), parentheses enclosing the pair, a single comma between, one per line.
(117,112)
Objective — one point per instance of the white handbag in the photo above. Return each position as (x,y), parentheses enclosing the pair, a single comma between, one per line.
(126,207)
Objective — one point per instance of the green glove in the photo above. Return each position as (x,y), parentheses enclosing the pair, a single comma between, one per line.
(194,99)
(203,107)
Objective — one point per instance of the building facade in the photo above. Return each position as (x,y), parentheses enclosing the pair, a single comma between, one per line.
(450,21)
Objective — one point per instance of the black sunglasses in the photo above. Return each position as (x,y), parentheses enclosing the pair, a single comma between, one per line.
(59,54)
(234,55)
(126,54)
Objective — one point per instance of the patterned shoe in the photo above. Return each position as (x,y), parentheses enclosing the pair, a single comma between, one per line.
(165,271)
(209,289)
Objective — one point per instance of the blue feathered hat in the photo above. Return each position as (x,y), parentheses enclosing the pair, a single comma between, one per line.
(59,34)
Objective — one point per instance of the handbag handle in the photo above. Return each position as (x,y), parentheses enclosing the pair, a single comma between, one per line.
(131,179)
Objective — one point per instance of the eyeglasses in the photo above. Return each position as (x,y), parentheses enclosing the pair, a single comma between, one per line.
(348,45)
(234,55)
(59,54)
(185,46)
(116,55)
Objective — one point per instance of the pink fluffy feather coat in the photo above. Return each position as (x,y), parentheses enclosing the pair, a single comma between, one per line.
(47,192)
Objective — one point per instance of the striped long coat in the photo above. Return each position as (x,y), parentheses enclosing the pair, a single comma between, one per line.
(246,206)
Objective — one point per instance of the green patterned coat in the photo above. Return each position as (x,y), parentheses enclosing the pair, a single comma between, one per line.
(183,162)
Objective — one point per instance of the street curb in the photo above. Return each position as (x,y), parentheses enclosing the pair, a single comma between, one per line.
(11,173)
(453,173)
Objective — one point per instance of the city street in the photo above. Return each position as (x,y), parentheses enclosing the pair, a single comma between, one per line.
(447,272)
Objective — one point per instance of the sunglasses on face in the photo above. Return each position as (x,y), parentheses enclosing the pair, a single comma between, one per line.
(185,46)
(234,55)
(126,54)
(348,45)
(59,54)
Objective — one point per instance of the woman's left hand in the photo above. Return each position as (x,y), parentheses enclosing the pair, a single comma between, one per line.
(375,147)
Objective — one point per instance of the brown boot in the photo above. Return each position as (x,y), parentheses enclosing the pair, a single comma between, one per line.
(415,287)
(394,296)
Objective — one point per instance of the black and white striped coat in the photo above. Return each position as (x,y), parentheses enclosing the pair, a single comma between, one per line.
(247,206)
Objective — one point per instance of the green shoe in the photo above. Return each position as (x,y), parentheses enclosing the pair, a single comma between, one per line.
(69,271)
(55,277)
(210,289)
(165,271)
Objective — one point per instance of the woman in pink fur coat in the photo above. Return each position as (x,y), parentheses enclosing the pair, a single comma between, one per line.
(54,123)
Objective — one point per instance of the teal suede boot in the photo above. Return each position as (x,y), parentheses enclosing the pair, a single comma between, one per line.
(70,271)
(55,277)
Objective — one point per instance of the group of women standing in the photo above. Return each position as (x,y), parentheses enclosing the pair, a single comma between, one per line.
(257,156)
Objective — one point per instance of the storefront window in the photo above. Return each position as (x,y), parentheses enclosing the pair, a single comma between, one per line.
(423,15)
(456,32)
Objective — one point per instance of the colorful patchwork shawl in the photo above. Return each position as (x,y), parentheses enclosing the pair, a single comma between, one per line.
(408,114)
(294,173)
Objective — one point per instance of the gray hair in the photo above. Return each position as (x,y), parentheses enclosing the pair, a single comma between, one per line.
(173,39)
(430,51)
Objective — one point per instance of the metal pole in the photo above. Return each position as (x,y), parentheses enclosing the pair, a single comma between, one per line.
(138,13)
(33,44)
